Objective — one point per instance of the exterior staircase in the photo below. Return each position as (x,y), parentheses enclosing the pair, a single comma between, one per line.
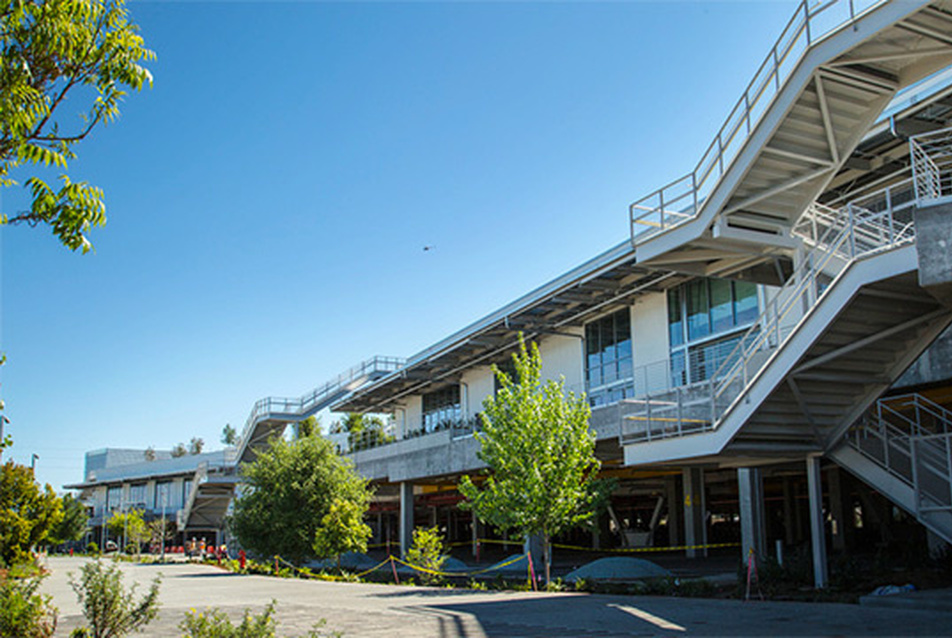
(903,448)
(828,77)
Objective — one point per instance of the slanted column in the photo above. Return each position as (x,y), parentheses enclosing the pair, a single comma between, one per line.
(695,530)
(753,534)
(672,494)
(406,516)
(817,535)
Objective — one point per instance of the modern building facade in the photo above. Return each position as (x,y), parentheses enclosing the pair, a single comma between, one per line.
(757,353)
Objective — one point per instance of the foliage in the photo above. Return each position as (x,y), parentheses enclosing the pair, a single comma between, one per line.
(84,53)
(308,427)
(27,513)
(229,435)
(213,623)
(24,613)
(426,551)
(288,491)
(129,525)
(160,531)
(342,530)
(364,430)
(149,454)
(73,524)
(541,454)
(196,445)
(110,609)
(179,450)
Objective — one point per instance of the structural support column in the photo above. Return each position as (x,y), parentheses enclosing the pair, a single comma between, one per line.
(695,530)
(475,530)
(406,516)
(753,533)
(840,508)
(817,533)
(672,494)
(534,547)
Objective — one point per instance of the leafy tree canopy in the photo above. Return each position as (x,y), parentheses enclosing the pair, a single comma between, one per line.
(540,452)
(196,445)
(288,492)
(179,450)
(84,53)
(27,512)
(229,435)
(73,524)
(342,530)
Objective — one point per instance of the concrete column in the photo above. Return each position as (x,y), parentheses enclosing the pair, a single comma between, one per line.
(789,518)
(475,528)
(406,516)
(601,531)
(672,494)
(753,533)
(839,508)
(695,530)
(817,534)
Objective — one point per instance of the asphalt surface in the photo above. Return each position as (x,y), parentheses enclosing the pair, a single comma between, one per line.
(418,612)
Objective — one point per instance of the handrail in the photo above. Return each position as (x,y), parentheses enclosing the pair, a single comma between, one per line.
(681,200)
(300,406)
(201,473)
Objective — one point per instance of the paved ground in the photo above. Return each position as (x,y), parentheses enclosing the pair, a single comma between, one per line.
(382,610)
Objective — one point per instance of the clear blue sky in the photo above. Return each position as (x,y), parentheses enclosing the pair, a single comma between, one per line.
(269,199)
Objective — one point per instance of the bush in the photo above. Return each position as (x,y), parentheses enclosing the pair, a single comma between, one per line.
(213,623)
(427,552)
(23,612)
(93,549)
(110,609)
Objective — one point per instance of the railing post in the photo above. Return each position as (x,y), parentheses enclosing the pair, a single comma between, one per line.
(806,20)
(661,207)
(710,383)
(852,235)
(747,110)
(648,417)
(948,466)
(776,68)
(680,413)
(720,154)
(915,473)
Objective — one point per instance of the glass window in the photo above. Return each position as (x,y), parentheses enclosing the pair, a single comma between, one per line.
(675,321)
(186,489)
(137,495)
(697,310)
(441,409)
(745,302)
(113,497)
(608,358)
(163,495)
(722,309)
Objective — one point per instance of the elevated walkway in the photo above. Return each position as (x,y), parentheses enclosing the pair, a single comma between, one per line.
(270,416)
(832,71)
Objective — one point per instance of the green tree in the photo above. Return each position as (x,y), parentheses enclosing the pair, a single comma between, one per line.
(27,512)
(110,609)
(66,65)
(342,530)
(427,552)
(287,492)
(540,452)
(229,435)
(196,445)
(160,531)
(179,450)
(365,430)
(24,612)
(73,524)
(308,427)
(130,526)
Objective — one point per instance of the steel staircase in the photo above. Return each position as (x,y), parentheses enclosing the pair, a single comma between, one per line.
(270,416)
(834,337)
(903,448)
(830,74)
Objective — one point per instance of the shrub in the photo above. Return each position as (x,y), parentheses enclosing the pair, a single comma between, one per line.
(213,623)
(23,612)
(92,548)
(110,609)
(427,552)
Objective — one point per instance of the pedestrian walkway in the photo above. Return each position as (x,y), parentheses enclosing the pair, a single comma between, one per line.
(360,610)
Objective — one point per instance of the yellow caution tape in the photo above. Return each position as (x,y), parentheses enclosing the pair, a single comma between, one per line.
(672,548)
(472,573)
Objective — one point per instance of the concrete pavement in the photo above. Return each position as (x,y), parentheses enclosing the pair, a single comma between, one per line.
(396,611)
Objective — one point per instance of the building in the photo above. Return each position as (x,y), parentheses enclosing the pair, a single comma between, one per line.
(757,352)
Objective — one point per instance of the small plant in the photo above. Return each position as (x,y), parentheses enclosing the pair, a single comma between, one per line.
(213,623)
(426,552)
(92,548)
(477,585)
(110,609)
(23,612)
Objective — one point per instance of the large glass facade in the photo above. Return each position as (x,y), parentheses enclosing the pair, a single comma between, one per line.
(441,409)
(706,317)
(113,498)
(163,495)
(137,495)
(608,367)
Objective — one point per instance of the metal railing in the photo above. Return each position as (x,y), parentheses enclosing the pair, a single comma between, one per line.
(839,237)
(295,408)
(910,437)
(682,199)
(181,517)
(932,164)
